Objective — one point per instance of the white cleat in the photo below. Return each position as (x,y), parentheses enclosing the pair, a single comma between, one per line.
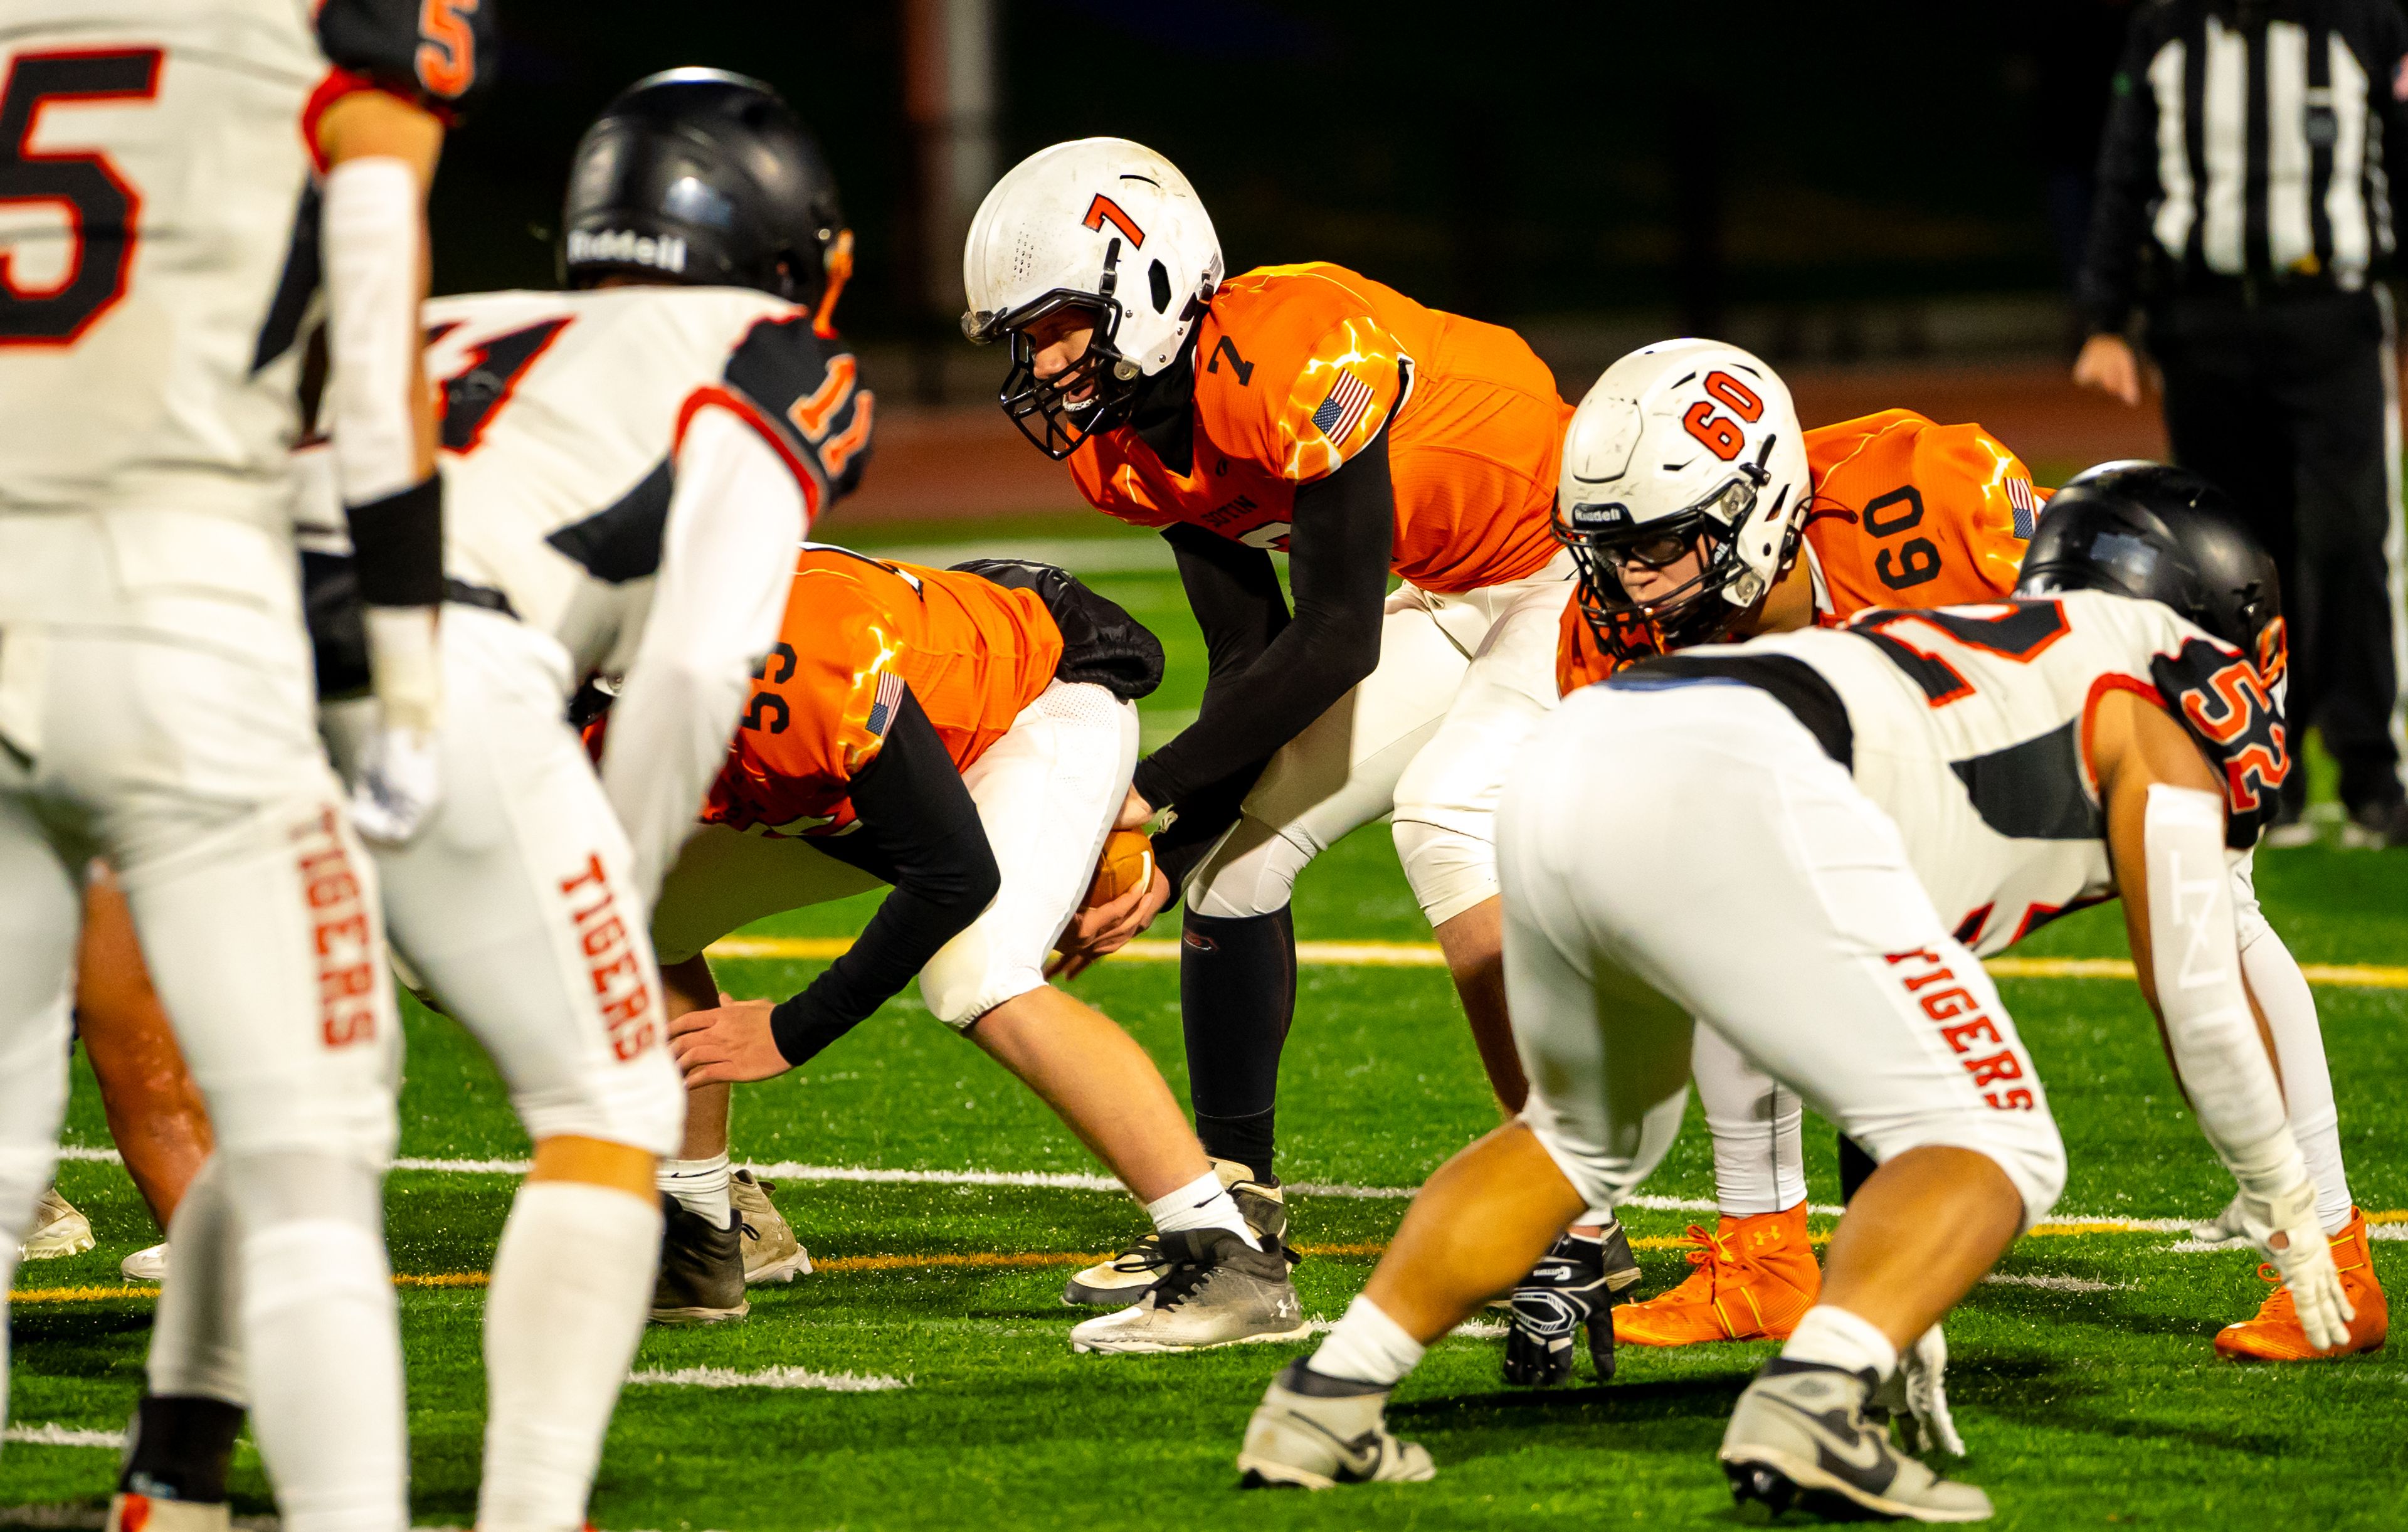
(1216,1290)
(771,1252)
(1315,1432)
(1801,1438)
(59,1230)
(145,1265)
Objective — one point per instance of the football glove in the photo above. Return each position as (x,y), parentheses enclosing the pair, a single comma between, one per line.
(1574,1284)
(2306,1262)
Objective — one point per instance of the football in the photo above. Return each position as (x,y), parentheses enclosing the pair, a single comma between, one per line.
(1127,863)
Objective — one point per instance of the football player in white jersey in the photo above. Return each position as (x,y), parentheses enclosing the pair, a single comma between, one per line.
(629,467)
(178,177)
(1869,791)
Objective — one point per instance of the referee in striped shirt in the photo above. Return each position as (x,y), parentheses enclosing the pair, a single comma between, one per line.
(2244,210)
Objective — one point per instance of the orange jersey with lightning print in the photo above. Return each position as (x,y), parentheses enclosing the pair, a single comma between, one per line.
(858,631)
(1297,369)
(1905,513)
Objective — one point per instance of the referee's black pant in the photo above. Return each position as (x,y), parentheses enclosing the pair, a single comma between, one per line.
(2290,403)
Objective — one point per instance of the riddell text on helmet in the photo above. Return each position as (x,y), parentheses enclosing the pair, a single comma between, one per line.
(667,252)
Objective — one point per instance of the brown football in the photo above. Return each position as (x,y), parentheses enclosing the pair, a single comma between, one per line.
(1127,863)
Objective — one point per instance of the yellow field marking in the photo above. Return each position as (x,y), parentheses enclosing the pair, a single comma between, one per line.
(1423,954)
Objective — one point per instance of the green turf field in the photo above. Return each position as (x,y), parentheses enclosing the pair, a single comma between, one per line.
(2083,1384)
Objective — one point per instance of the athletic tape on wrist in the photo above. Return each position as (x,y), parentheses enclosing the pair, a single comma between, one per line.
(2195,958)
(397,546)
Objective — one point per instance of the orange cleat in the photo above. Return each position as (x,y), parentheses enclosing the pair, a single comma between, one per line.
(2275,1334)
(1754,1278)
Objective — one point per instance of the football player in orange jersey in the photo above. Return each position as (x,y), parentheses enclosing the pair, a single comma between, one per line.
(965,736)
(1310,411)
(1890,510)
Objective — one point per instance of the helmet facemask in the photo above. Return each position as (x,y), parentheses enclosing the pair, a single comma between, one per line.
(1091,394)
(1602,539)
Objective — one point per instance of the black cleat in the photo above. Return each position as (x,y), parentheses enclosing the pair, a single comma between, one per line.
(701,1278)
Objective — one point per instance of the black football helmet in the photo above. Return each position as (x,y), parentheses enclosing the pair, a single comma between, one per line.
(2166,534)
(705,177)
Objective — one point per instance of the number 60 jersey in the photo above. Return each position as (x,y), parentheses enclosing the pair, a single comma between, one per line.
(1970,726)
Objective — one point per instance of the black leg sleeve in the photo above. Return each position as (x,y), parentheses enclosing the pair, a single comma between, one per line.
(182,1447)
(1856,1167)
(1237,993)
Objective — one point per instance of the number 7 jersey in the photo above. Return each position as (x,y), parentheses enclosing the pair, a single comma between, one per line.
(1970,727)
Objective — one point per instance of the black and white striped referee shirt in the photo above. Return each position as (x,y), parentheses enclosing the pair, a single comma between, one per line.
(2247,146)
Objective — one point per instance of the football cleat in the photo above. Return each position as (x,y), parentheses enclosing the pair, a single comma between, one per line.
(1801,1438)
(1574,1284)
(1122,1280)
(771,1252)
(129,1513)
(1915,1398)
(2275,1334)
(1315,1432)
(1754,1278)
(1216,1291)
(701,1278)
(147,1264)
(59,1230)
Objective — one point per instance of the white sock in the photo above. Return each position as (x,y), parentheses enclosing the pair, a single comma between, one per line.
(1367,1347)
(321,1339)
(572,1283)
(1838,1338)
(2281,992)
(1759,1153)
(700,1186)
(1202,1204)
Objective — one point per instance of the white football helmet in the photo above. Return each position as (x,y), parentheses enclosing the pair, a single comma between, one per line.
(1099,224)
(1681,446)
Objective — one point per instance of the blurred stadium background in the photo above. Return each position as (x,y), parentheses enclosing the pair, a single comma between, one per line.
(1884,201)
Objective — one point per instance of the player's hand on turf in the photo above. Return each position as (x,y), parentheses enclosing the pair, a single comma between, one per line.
(1098,933)
(2304,1255)
(397,785)
(1562,1293)
(729,1043)
(2107,364)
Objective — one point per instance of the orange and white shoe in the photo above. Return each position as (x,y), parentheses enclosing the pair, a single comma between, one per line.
(1754,1279)
(2275,1335)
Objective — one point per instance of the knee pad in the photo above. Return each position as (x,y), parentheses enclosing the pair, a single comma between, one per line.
(1452,868)
(2023,1144)
(1251,872)
(639,1102)
(969,976)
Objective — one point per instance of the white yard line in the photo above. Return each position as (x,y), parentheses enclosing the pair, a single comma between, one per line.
(2048,1284)
(832,1382)
(51,1434)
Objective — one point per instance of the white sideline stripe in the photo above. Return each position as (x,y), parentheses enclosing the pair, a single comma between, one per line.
(2048,1284)
(52,1434)
(1476,1329)
(832,1382)
(1424,954)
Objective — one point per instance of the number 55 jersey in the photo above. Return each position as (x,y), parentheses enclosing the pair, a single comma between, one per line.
(1970,726)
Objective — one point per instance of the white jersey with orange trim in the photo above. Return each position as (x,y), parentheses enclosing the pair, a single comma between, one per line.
(1969,726)
(158,219)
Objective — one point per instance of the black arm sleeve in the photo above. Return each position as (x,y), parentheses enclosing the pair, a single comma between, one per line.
(2104,290)
(1340,540)
(919,831)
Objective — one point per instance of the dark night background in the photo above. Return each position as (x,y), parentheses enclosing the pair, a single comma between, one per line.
(1530,163)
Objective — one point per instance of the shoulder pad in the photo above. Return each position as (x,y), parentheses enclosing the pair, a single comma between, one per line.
(1295,376)
(2218,697)
(809,388)
(439,54)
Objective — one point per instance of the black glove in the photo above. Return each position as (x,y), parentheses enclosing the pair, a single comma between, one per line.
(1576,1283)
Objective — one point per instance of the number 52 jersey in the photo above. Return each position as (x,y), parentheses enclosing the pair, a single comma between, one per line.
(1970,727)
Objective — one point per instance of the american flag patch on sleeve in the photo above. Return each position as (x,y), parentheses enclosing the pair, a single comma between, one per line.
(1343,411)
(2026,504)
(882,706)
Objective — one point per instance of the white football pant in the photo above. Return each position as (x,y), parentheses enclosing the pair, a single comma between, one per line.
(1462,681)
(156,708)
(1689,850)
(515,905)
(1047,792)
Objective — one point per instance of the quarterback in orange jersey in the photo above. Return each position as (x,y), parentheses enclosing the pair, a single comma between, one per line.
(965,736)
(1309,411)
(1886,511)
